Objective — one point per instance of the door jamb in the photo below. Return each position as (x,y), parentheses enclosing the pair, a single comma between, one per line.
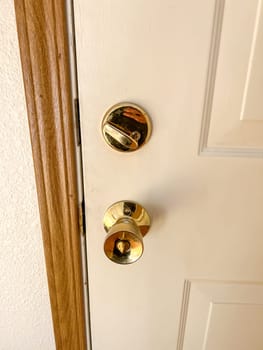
(44,51)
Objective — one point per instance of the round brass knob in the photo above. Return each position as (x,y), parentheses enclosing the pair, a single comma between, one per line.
(126,223)
(126,127)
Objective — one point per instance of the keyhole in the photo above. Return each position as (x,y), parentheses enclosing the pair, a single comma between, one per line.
(122,247)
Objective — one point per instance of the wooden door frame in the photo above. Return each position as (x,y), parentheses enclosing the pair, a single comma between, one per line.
(44,50)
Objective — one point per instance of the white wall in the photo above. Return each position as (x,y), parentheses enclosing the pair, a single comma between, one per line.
(25,318)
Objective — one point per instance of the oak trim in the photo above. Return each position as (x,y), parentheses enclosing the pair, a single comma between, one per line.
(43,41)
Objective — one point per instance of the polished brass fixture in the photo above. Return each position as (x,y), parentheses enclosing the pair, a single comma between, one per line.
(126,223)
(126,127)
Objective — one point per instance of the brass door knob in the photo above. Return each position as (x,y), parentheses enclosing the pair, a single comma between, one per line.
(126,127)
(126,223)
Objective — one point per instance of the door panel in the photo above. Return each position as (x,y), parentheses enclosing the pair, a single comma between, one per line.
(221,315)
(233,110)
(206,211)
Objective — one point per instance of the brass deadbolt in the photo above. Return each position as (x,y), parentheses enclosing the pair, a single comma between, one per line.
(126,223)
(126,127)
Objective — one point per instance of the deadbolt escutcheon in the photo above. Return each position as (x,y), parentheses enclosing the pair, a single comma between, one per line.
(126,127)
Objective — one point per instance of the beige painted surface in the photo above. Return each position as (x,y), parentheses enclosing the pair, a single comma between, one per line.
(25,318)
(199,284)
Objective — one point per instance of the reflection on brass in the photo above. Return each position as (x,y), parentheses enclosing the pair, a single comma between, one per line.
(126,223)
(126,127)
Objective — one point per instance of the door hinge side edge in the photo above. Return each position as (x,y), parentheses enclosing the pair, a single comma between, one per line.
(77,120)
(82,218)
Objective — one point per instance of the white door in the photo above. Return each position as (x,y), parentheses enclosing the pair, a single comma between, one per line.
(197,68)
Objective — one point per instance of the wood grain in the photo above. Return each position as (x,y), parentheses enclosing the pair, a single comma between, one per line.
(42,33)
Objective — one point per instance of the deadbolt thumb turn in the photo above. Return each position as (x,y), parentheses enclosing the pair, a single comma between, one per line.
(126,223)
(126,127)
